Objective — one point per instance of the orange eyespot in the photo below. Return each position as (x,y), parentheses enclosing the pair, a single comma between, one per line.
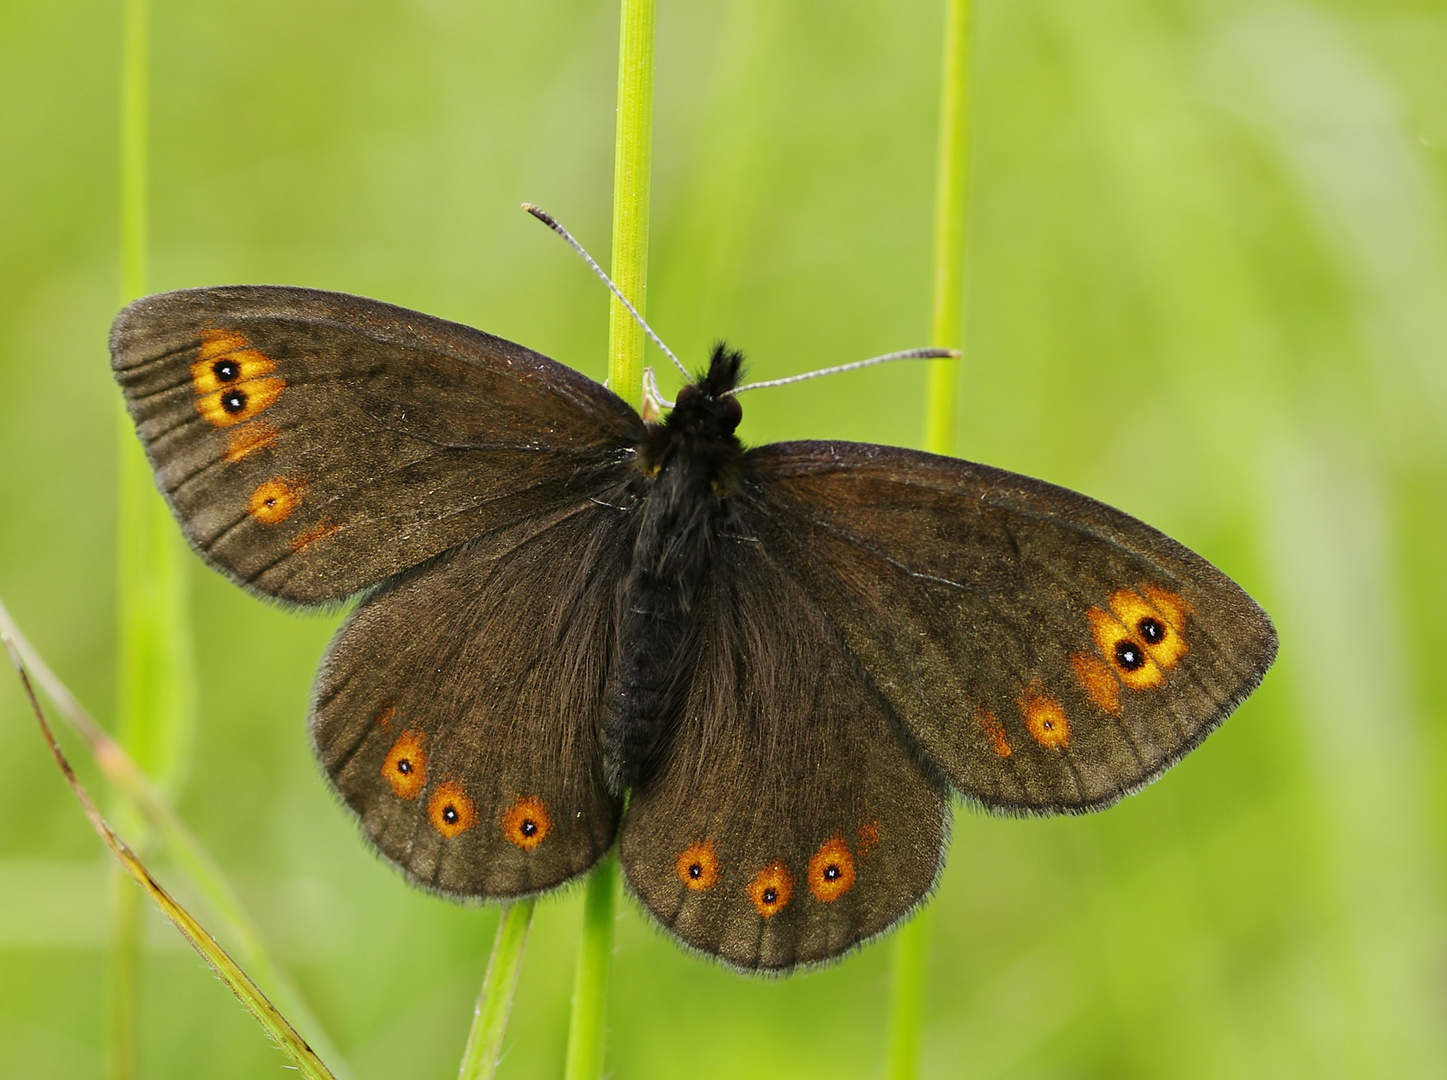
(274,500)
(698,866)
(526,822)
(993,731)
(1157,621)
(450,810)
(1097,680)
(320,531)
(1045,719)
(772,889)
(1123,651)
(831,870)
(406,764)
(868,837)
(214,371)
(240,401)
(248,440)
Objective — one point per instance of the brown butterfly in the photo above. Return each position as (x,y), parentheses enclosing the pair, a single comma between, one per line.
(789,655)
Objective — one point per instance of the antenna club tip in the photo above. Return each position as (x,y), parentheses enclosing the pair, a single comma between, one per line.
(541,214)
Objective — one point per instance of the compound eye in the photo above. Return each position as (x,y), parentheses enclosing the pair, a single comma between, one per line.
(730,411)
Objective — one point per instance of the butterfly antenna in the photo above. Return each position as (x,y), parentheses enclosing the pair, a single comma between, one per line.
(908,354)
(552,223)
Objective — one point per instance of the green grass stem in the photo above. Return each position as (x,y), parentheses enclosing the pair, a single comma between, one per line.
(632,171)
(494,1002)
(155,689)
(286,1037)
(942,407)
(189,857)
(952,168)
(906,1003)
(590,983)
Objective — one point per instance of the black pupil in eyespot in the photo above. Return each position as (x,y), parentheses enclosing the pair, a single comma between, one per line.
(404,766)
(770,895)
(449,815)
(1152,631)
(226,370)
(695,870)
(233,402)
(529,826)
(1128,655)
(831,872)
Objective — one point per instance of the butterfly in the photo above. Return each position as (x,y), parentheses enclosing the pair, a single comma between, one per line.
(760,672)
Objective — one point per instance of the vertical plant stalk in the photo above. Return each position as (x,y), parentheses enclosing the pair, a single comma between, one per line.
(155,690)
(590,983)
(952,170)
(494,1003)
(632,173)
(942,407)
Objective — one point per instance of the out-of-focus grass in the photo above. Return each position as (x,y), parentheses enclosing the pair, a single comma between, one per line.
(1206,282)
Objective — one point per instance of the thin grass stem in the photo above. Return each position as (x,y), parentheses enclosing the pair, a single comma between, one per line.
(942,408)
(952,169)
(494,1003)
(155,691)
(632,172)
(286,1037)
(190,858)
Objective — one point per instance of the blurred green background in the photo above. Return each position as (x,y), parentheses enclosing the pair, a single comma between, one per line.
(1207,283)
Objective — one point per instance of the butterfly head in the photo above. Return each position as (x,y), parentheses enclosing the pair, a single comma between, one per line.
(709,406)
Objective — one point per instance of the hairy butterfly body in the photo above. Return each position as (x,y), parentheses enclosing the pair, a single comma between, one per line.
(789,655)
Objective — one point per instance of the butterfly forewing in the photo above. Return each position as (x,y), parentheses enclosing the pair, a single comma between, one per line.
(456,710)
(312,443)
(1045,651)
(785,820)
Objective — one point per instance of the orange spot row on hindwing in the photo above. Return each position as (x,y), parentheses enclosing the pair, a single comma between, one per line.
(451,811)
(830,874)
(1139,639)
(234,383)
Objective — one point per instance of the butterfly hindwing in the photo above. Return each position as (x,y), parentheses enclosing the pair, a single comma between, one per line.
(1046,652)
(784,820)
(313,443)
(456,711)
